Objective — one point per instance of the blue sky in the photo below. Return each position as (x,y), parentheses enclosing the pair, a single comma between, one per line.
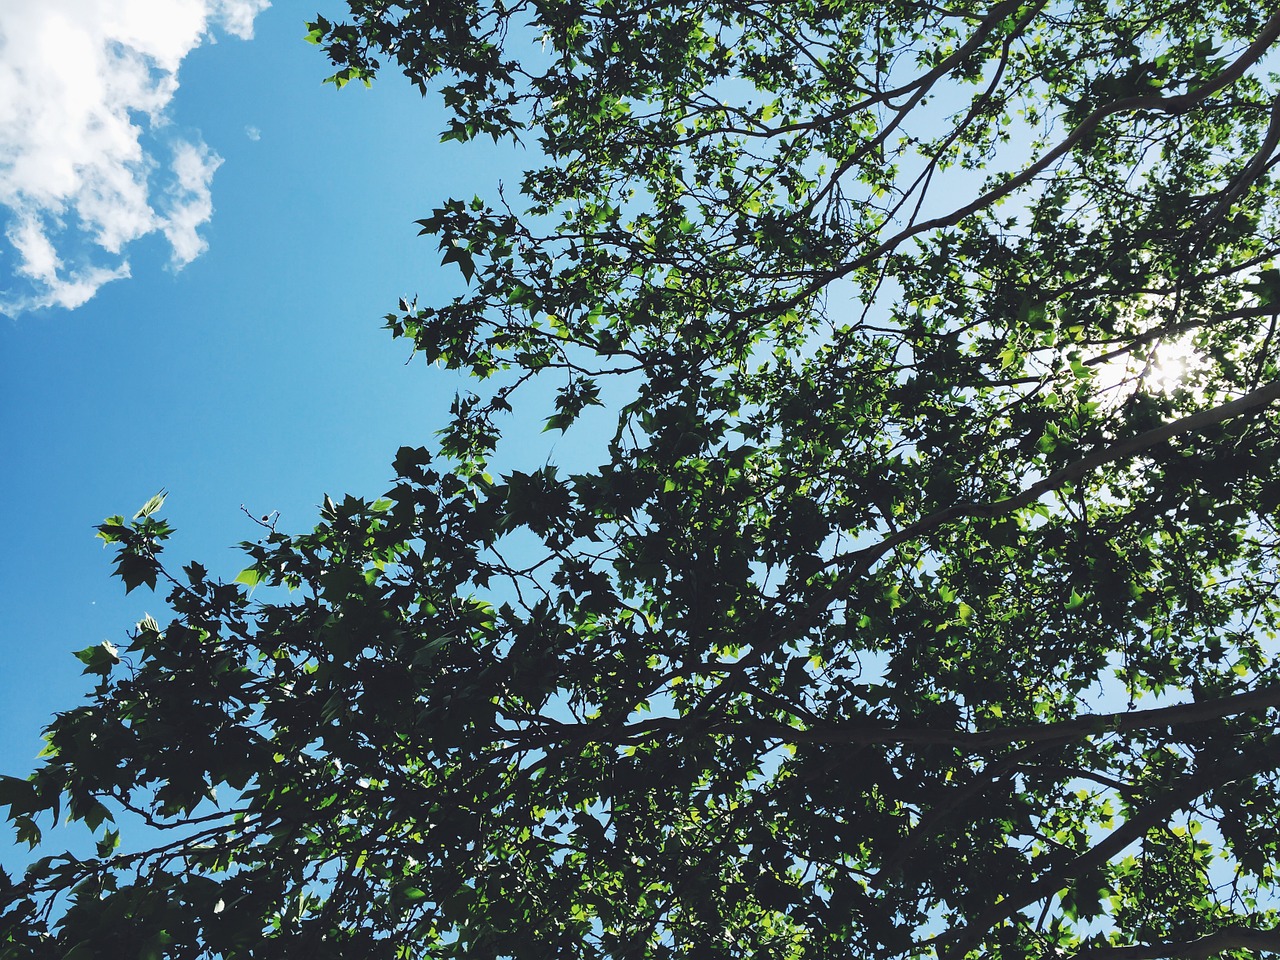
(241,360)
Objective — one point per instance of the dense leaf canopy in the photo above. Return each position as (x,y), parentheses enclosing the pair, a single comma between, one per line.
(918,597)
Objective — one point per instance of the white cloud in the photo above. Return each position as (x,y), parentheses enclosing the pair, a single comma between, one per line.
(39,259)
(236,16)
(190,203)
(88,164)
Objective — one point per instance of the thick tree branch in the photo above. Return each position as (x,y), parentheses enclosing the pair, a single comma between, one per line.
(864,559)
(1252,170)
(959,941)
(1075,728)
(1228,938)
(550,731)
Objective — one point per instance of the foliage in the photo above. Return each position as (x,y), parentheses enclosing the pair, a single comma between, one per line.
(909,606)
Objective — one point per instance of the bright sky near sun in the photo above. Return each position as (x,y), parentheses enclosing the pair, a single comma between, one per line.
(199,243)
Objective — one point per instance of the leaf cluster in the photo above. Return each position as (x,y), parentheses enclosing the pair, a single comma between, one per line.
(905,609)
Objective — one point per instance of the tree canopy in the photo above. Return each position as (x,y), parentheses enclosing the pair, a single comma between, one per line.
(918,598)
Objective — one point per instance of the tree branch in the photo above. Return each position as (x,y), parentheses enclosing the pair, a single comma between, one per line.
(959,941)
(1089,724)
(851,733)
(1179,103)
(1124,450)
(1228,938)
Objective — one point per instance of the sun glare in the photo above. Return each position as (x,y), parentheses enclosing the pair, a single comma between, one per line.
(1167,366)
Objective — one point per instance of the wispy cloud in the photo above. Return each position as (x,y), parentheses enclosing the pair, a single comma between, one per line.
(189,203)
(88,163)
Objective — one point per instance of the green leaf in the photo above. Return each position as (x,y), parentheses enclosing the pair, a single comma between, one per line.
(109,843)
(250,576)
(26,831)
(100,658)
(20,796)
(152,505)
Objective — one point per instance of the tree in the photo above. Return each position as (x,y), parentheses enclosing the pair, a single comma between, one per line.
(920,601)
